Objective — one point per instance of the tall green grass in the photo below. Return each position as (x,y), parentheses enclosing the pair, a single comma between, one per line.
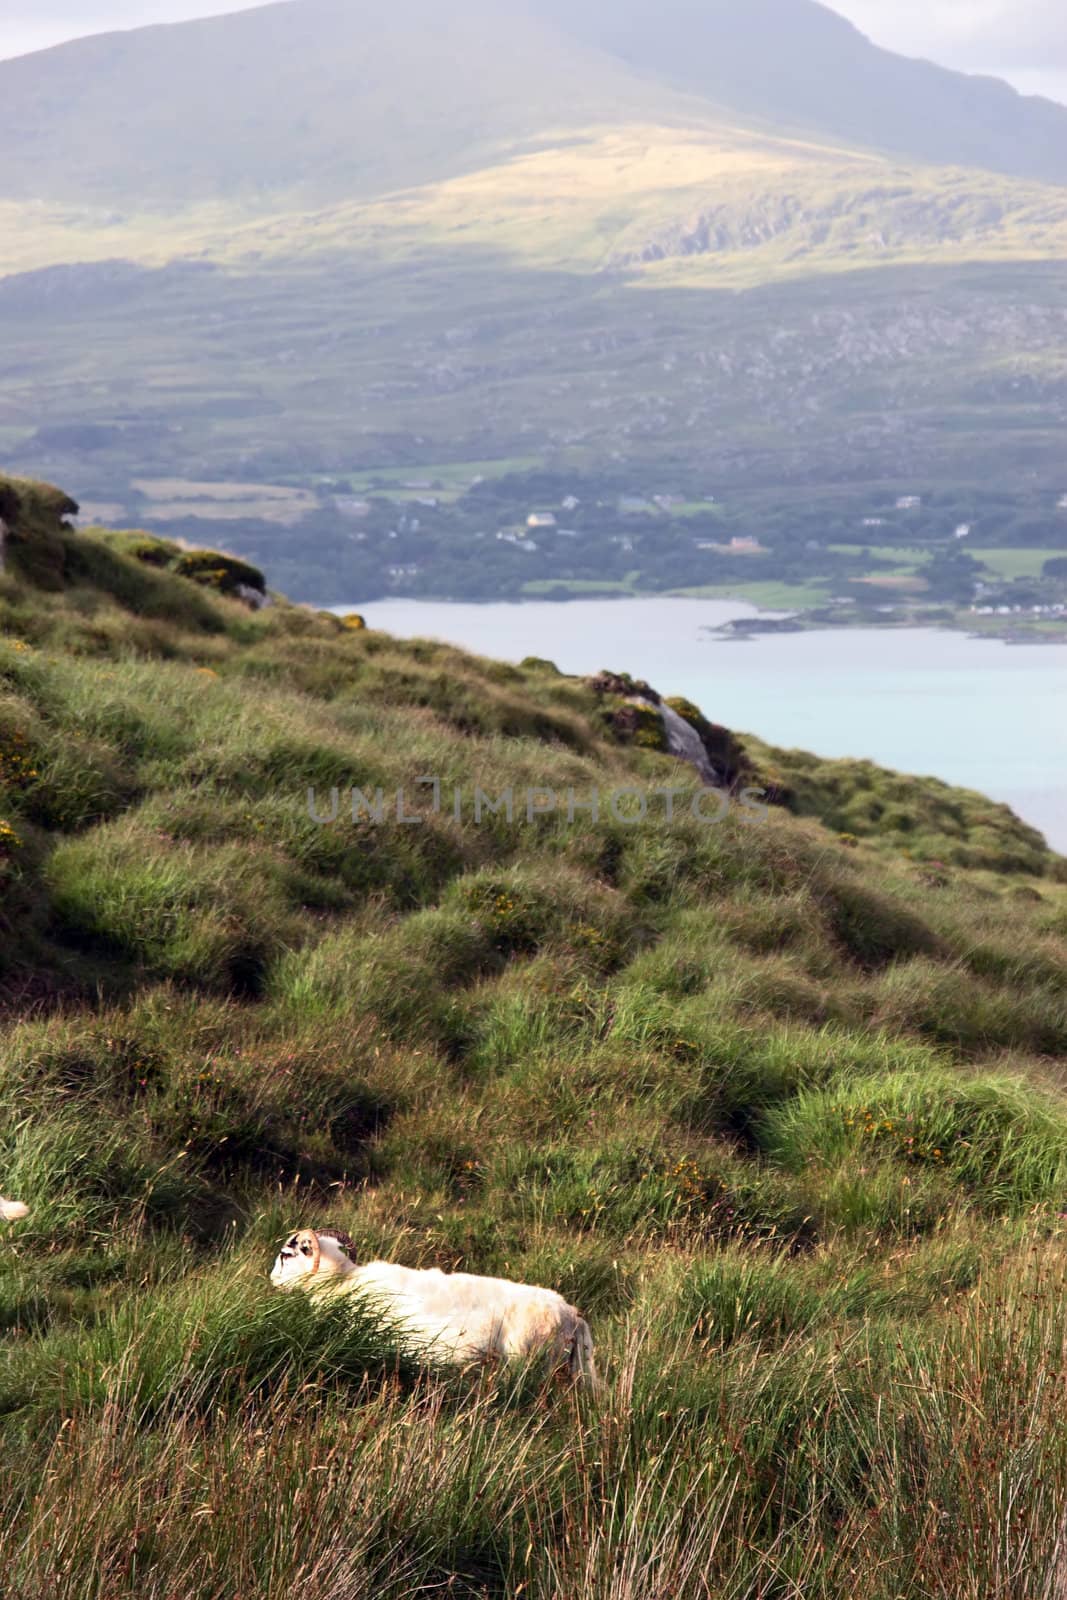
(781,1111)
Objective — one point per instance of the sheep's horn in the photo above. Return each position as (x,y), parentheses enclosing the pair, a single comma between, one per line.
(312,1239)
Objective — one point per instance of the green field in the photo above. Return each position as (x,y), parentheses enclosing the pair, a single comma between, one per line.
(697,508)
(768,595)
(445,474)
(1017,563)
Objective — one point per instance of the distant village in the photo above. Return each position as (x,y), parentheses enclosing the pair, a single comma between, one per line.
(529,530)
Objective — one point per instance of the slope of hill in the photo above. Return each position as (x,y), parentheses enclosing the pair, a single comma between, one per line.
(320,98)
(329,99)
(780,1109)
(797,63)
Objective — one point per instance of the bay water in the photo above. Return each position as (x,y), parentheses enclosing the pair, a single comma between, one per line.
(979,713)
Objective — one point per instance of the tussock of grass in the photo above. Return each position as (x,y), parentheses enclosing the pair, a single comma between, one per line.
(216,918)
(999,1138)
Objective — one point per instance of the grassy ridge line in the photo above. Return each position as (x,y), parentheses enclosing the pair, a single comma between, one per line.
(778,1105)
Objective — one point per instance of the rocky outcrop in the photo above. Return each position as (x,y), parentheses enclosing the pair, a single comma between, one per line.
(884,221)
(33,541)
(225,573)
(685,742)
(675,726)
(621,683)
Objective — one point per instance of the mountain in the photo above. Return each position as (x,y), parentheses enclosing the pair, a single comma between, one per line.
(331,99)
(797,63)
(328,99)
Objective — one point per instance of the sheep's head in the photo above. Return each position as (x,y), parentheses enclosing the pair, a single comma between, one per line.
(310,1254)
(12,1210)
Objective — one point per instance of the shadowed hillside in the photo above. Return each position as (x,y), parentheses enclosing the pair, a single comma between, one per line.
(775,1099)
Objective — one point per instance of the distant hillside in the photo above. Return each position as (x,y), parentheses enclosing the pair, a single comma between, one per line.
(328,98)
(797,63)
(337,98)
(729,241)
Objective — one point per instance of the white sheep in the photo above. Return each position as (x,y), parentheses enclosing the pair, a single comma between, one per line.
(455,1316)
(12,1210)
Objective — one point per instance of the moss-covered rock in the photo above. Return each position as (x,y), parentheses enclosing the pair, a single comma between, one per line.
(639,725)
(146,547)
(621,684)
(33,545)
(227,574)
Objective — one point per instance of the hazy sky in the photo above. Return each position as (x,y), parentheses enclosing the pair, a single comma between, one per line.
(1024,40)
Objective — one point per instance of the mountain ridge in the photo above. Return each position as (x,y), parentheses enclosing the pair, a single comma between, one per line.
(803,65)
(366,103)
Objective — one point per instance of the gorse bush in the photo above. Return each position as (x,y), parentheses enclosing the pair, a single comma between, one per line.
(776,1103)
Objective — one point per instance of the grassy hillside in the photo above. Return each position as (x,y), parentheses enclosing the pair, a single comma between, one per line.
(776,1100)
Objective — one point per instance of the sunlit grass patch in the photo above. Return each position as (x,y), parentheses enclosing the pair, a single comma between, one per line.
(1002,1140)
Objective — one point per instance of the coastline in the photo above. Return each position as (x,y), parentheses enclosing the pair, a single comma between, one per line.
(1017,629)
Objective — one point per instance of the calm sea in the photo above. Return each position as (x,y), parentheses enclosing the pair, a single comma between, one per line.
(979,713)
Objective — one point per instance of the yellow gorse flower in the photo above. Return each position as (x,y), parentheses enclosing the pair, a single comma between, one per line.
(16,763)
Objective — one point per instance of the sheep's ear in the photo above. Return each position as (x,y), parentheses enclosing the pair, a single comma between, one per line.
(12,1210)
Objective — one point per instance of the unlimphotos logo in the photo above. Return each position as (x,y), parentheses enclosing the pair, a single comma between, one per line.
(629,806)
